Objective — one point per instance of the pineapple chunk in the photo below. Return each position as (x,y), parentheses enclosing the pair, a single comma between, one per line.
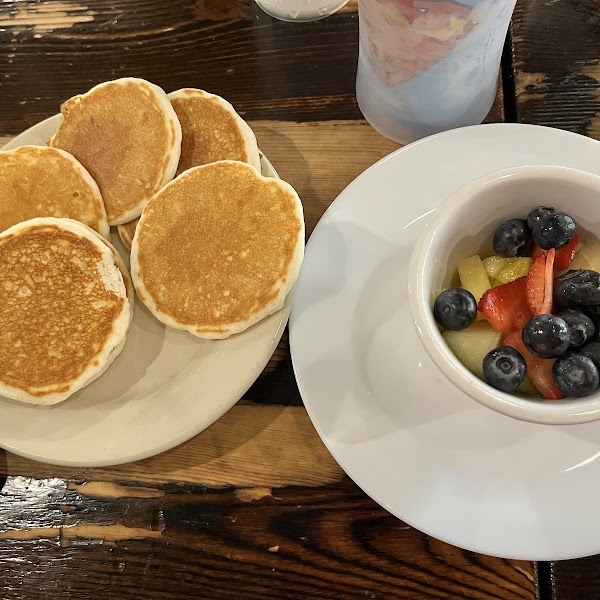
(472,344)
(588,257)
(473,276)
(516,269)
(528,389)
(494,264)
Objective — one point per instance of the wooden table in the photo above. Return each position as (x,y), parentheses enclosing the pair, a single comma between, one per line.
(255,507)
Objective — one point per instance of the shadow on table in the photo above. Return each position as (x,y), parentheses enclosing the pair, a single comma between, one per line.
(287,159)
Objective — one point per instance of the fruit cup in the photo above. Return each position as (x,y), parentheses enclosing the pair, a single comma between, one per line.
(464,226)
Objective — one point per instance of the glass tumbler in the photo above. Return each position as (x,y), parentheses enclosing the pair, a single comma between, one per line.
(426,66)
(300,10)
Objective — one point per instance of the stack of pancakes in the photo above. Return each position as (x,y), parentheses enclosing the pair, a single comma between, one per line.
(215,246)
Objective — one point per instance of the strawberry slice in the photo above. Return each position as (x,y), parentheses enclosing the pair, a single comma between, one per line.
(540,280)
(539,370)
(564,255)
(505,306)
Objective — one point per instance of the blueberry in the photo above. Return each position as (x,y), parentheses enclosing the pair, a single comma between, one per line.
(537,213)
(576,375)
(504,368)
(592,350)
(455,308)
(513,238)
(582,328)
(590,311)
(554,230)
(546,336)
(580,287)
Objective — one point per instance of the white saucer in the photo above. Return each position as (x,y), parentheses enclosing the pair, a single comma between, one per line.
(418,446)
(164,388)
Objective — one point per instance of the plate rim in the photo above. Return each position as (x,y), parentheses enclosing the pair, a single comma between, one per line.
(247,382)
(328,217)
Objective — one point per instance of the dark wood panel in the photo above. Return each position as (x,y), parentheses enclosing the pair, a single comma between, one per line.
(187,541)
(576,579)
(268,69)
(556,53)
(277,383)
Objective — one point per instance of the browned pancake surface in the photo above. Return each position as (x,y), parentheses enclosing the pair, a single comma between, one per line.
(42,182)
(214,245)
(118,133)
(55,316)
(209,132)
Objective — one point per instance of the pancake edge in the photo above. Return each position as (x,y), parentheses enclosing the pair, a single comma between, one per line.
(291,275)
(114,344)
(103,226)
(173,155)
(250,142)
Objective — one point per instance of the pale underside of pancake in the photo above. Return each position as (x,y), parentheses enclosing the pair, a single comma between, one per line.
(218,249)
(127,135)
(37,181)
(64,309)
(127,231)
(211,130)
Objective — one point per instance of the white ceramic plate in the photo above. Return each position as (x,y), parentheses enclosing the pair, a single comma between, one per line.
(164,388)
(417,445)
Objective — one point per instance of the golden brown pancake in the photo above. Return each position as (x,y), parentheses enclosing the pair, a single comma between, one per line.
(63,309)
(211,130)
(218,249)
(127,135)
(36,181)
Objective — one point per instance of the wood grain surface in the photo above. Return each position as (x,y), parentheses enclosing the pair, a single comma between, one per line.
(556,61)
(268,69)
(250,446)
(575,579)
(255,507)
(324,543)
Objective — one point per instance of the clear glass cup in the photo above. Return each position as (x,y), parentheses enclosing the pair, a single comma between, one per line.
(426,66)
(297,11)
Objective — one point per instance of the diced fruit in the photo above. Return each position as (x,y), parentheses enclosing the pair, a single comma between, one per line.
(517,268)
(471,345)
(504,368)
(536,285)
(473,276)
(505,306)
(588,257)
(455,308)
(540,281)
(494,264)
(547,336)
(537,213)
(576,375)
(564,256)
(577,288)
(582,327)
(554,230)
(528,389)
(539,370)
(513,238)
